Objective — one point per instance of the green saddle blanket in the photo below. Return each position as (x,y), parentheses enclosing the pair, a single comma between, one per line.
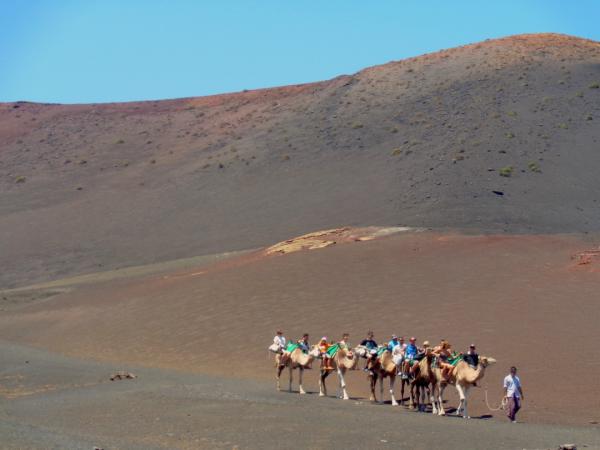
(292,346)
(454,359)
(333,349)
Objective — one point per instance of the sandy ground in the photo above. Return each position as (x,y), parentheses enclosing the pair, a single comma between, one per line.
(52,402)
(522,299)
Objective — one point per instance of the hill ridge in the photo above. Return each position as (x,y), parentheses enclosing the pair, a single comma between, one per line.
(483,137)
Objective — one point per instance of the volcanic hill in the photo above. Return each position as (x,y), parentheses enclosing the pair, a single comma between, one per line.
(499,136)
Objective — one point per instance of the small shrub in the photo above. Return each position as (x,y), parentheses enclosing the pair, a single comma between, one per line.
(579,94)
(512,113)
(533,167)
(120,141)
(563,126)
(394,130)
(357,125)
(506,171)
(594,86)
(285,158)
(510,135)
(20,179)
(397,152)
(588,117)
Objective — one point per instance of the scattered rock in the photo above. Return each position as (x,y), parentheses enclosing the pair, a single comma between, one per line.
(567,447)
(123,376)
(500,193)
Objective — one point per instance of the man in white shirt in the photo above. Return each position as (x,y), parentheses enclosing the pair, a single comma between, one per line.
(513,392)
(279,341)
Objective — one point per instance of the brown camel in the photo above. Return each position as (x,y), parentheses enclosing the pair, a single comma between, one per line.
(381,367)
(341,362)
(463,377)
(423,383)
(296,360)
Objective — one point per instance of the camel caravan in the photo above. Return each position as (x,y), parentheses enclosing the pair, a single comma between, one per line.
(426,371)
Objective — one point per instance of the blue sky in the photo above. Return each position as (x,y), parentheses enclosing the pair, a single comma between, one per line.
(103,51)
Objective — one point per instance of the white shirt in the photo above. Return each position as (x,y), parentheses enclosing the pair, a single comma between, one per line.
(512,385)
(280,341)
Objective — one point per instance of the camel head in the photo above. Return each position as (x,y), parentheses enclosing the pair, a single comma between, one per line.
(314,351)
(347,358)
(486,361)
(361,351)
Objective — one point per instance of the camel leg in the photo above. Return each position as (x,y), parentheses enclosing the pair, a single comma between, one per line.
(462,406)
(392,382)
(441,410)
(279,370)
(401,391)
(372,383)
(343,385)
(432,398)
(412,387)
(322,385)
(291,376)
(461,397)
(300,388)
(424,397)
(381,389)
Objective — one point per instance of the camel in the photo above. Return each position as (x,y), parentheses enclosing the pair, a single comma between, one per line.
(296,360)
(463,377)
(383,366)
(342,361)
(424,382)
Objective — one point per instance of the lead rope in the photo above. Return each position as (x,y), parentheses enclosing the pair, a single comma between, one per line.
(502,406)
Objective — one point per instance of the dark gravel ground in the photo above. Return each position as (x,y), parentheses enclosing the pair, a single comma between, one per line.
(51,402)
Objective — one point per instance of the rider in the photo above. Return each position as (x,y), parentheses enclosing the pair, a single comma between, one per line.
(393,343)
(325,359)
(409,357)
(471,357)
(371,346)
(305,346)
(446,357)
(344,342)
(280,341)
(423,351)
(303,343)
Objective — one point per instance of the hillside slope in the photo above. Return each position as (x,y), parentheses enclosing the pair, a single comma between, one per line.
(420,142)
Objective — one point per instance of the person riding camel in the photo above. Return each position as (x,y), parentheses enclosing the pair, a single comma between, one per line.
(280,345)
(325,359)
(447,359)
(303,343)
(280,341)
(423,351)
(409,357)
(393,343)
(471,357)
(371,347)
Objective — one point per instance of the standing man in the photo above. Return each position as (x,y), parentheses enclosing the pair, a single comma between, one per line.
(513,392)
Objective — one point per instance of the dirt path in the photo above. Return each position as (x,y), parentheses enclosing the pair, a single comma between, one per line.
(53,402)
